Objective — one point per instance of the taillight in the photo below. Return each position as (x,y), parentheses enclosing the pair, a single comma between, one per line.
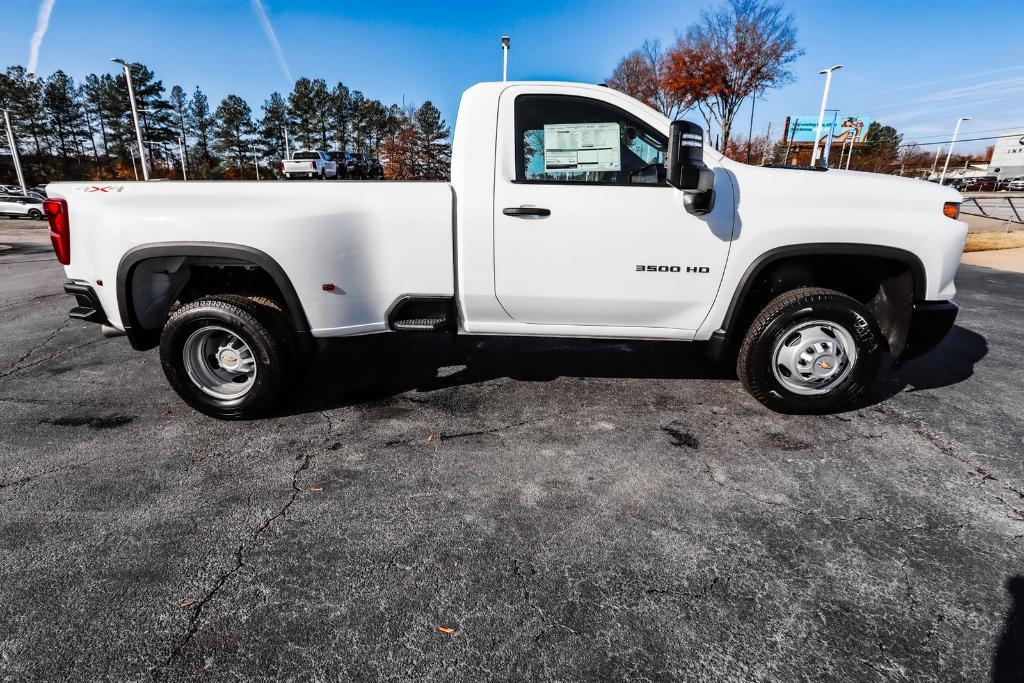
(60,230)
(280,167)
(951,210)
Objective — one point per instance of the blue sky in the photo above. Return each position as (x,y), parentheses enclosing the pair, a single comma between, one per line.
(917,64)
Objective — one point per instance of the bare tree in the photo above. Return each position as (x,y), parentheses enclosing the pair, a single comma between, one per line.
(641,74)
(740,49)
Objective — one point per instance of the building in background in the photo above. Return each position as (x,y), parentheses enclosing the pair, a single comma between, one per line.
(1008,156)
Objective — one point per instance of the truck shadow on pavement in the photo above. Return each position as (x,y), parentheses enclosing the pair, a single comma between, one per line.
(951,362)
(372,368)
(349,372)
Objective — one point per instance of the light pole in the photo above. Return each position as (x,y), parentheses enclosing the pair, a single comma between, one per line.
(135,114)
(135,169)
(505,40)
(750,131)
(287,152)
(952,142)
(14,151)
(181,154)
(935,162)
(255,163)
(821,114)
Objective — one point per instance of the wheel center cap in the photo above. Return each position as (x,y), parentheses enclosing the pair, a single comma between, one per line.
(228,359)
(824,365)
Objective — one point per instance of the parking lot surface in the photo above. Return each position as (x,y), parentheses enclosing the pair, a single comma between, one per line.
(483,507)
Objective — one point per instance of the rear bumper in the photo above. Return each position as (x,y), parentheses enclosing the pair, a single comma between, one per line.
(930,322)
(89,307)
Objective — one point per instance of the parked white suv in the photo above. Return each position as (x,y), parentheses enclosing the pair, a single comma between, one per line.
(20,206)
(309,163)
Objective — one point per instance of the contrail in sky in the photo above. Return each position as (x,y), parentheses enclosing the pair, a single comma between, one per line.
(42,23)
(261,14)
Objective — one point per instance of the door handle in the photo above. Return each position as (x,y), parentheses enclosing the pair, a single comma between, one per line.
(526,211)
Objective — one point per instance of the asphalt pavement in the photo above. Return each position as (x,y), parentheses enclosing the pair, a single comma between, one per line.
(480,508)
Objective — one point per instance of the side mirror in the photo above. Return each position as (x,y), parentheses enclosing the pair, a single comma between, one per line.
(685,167)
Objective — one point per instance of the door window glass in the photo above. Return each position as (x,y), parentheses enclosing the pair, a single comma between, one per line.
(565,139)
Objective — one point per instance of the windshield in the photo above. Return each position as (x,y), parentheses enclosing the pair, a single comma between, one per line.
(306,155)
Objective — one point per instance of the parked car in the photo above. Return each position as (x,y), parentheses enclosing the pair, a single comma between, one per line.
(1015,184)
(348,165)
(979,184)
(802,282)
(374,169)
(309,163)
(20,206)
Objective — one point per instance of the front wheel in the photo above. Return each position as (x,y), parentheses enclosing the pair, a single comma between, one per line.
(35,214)
(810,351)
(228,356)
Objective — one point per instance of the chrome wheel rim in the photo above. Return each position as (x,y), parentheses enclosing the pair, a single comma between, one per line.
(812,358)
(219,363)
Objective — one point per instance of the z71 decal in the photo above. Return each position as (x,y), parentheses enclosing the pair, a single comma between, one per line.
(672,269)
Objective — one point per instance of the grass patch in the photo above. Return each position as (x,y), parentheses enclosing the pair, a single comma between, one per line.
(987,241)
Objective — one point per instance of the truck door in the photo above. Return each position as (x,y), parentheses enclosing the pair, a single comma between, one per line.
(586,231)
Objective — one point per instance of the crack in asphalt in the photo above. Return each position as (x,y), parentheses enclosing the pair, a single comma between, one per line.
(950,450)
(198,608)
(49,338)
(818,514)
(9,304)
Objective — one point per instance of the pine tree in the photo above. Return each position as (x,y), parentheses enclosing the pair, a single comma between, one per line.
(271,127)
(234,130)
(375,118)
(341,116)
(179,107)
(433,146)
(202,123)
(309,106)
(65,118)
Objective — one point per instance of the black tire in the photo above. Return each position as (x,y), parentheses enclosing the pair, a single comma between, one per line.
(780,317)
(261,325)
(35,214)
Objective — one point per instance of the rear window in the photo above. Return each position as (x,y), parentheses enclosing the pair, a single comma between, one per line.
(305,155)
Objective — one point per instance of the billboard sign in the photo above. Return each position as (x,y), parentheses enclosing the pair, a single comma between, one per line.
(801,128)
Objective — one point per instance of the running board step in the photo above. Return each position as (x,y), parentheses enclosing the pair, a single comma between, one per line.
(430,314)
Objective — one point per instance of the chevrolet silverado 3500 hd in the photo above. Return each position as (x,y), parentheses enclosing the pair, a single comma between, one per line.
(573,211)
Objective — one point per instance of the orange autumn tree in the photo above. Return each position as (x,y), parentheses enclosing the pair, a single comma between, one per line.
(738,50)
(641,74)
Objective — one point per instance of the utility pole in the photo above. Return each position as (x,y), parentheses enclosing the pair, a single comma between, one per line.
(14,152)
(505,40)
(952,142)
(821,114)
(135,169)
(135,114)
(255,163)
(287,152)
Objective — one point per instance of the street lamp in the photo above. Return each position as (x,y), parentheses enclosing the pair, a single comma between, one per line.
(181,154)
(821,115)
(952,142)
(135,114)
(255,162)
(505,40)
(14,151)
(287,152)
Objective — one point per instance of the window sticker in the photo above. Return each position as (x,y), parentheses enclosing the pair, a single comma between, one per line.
(581,147)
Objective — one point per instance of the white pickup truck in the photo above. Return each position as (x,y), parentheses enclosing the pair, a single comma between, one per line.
(573,211)
(309,163)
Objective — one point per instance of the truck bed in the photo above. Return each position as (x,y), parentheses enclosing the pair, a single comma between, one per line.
(374,241)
